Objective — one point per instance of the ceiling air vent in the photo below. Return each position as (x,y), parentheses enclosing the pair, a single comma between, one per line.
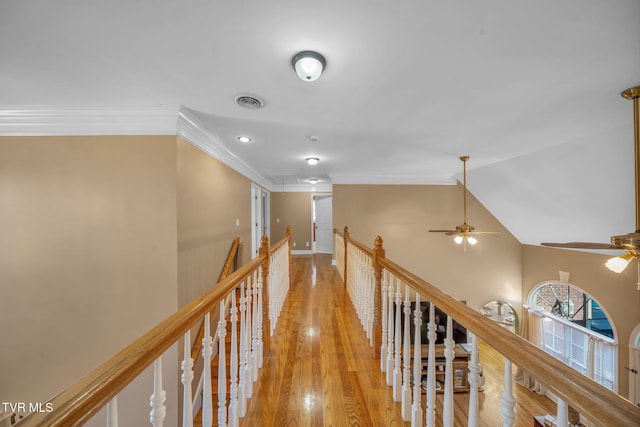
(251,102)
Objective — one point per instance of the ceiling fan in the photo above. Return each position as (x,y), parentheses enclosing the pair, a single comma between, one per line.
(465,233)
(627,242)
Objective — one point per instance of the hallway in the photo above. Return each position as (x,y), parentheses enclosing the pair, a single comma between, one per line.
(320,370)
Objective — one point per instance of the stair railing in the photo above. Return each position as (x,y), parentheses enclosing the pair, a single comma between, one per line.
(383,292)
(229,263)
(78,403)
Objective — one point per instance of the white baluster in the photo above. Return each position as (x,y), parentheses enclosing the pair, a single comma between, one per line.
(242,393)
(222,368)
(474,383)
(449,354)
(562,416)
(234,418)
(372,292)
(187,377)
(397,372)
(158,410)
(406,372)
(259,326)
(431,369)
(507,410)
(112,412)
(207,396)
(416,407)
(383,345)
(248,341)
(390,329)
(255,317)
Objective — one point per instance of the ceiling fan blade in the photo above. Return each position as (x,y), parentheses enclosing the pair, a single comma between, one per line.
(583,245)
(443,231)
(486,233)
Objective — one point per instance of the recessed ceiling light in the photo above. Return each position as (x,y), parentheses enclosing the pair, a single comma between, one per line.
(312,160)
(244,139)
(313,181)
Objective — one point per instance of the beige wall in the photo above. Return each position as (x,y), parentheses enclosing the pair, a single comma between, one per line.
(87,257)
(292,209)
(211,197)
(616,293)
(403,215)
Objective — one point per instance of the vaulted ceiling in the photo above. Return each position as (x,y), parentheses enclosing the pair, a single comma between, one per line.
(529,90)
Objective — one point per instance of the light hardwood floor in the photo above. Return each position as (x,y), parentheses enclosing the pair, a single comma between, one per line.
(320,370)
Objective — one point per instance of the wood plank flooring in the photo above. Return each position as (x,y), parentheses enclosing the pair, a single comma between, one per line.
(320,370)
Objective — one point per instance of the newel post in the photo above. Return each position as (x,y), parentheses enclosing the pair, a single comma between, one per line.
(265,249)
(346,239)
(378,254)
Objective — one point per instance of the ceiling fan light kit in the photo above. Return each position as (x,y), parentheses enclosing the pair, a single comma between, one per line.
(628,242)
(464,233)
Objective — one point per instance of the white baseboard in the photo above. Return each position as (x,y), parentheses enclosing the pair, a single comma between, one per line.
(302,252)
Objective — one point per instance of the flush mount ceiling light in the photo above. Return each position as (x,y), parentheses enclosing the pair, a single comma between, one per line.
(308,65)
(244,139)
(312,160)
(313,181)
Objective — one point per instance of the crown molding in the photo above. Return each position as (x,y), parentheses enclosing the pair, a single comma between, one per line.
(43,120)
(192,130)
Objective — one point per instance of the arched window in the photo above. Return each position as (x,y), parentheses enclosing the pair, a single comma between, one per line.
(576,330)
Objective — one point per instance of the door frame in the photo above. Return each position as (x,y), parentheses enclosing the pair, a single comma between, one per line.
(634,352)
(260,225)
(313,219)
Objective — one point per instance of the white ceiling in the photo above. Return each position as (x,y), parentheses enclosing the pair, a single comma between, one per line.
(530,90)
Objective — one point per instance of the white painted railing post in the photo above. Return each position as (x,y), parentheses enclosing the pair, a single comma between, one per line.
(406,365)
(255,318)
(207,396)
(187,378)
(507,410)
(562,417)
(158,409)
(416,408)
(397,373)
(431,369)
(222,368)
(234,418)
(383,345)
(474,383)
(449,354)
(390,329)
(112,412)
(242,392)
(248,341)
(259,331)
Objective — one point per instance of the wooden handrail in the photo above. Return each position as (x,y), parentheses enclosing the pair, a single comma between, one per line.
(588,397)
(83,399)
(364,248)
(197,344)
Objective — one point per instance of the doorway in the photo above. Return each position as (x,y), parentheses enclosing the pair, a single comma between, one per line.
(634,366)
(259,217)
(322,223)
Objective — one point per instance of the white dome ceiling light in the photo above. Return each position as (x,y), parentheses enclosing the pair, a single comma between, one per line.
(308,65)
